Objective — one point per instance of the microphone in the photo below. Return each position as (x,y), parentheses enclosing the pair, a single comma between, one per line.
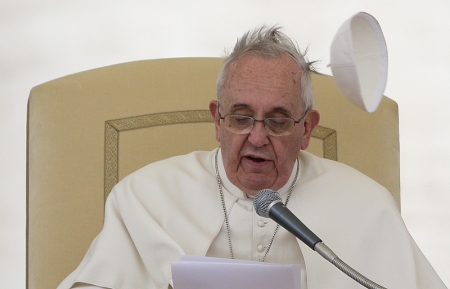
(267,203)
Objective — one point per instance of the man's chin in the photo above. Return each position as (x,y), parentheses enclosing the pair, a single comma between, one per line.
(254,183)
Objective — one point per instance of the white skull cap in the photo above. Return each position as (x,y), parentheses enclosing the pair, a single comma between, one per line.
(359,61)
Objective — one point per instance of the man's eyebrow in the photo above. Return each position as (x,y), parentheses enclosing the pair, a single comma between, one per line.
(282,110)
(278,109)
(238,105)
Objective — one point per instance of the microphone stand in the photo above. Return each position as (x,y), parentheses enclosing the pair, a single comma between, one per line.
(268,204)
(329,255)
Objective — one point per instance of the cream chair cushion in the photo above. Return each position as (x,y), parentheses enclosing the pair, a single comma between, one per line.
(88,130)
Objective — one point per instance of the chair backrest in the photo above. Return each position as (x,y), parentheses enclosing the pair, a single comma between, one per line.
(88,130)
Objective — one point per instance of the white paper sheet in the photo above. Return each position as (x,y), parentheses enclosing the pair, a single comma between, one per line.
(193,272)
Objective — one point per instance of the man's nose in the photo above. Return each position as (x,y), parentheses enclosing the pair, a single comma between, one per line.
(258,135)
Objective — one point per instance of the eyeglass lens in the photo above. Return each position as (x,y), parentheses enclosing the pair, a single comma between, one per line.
(243,124)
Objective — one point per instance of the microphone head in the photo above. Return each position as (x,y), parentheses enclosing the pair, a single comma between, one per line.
(263,200)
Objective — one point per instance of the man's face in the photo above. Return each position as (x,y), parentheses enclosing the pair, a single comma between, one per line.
(261,88)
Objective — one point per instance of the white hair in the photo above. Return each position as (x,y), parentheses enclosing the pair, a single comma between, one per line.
(269,42)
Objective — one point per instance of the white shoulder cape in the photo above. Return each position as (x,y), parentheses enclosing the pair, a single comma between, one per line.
(172,207)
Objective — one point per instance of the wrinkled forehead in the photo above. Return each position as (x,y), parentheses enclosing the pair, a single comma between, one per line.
(256,76)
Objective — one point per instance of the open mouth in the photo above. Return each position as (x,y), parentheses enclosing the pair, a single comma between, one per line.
(256,159)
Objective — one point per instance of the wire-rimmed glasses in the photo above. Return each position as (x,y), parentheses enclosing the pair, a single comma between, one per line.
(275,126)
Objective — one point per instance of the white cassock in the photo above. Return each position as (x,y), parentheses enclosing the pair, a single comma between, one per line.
(173,207)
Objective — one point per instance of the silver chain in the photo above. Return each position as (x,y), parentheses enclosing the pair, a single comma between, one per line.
(227,224)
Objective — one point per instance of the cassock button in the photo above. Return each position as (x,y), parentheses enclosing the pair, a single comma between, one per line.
(261,248)
(261,223)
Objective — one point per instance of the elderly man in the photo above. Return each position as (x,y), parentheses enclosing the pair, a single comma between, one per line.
(201,203)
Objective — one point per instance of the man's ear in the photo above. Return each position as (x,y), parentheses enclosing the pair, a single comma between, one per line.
(214,109)
(311,121)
